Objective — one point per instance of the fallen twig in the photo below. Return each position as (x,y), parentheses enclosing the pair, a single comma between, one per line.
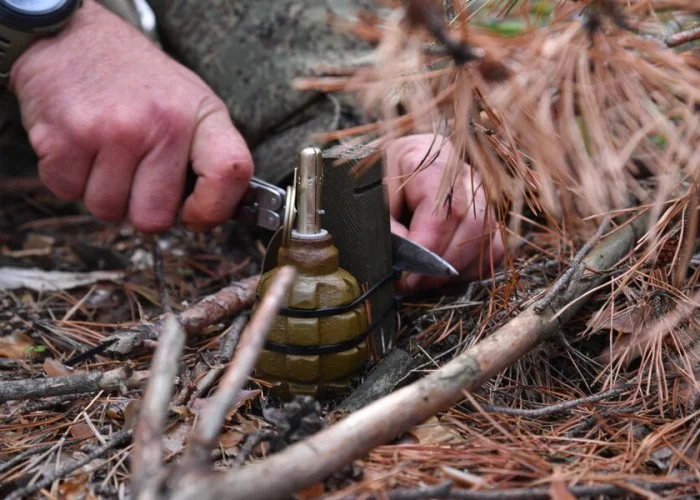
(228,345)
(28,453)
(683,37)
(559,407)
(204,313)
(441,490)
(147,455)
(385,377)
(159,275)
(307,462)
(589,422)
(74,384)
(574,270)
(117,439)
(31,407)
(253,338)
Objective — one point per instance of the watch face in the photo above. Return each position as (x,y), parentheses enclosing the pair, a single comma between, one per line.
(34,6)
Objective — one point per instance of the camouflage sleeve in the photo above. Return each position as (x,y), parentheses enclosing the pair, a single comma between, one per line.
(249,51)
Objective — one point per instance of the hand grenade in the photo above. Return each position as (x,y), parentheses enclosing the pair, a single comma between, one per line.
(318,343)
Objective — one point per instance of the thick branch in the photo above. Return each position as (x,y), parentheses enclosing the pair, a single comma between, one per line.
(211,309)
(252,342)
(147,457)
(313,459)
(73,384)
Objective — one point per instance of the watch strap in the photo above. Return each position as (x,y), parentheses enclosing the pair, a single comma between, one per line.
(14,40)
(13,43)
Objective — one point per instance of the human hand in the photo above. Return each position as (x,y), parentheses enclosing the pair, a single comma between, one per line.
(115,121)
(467,239)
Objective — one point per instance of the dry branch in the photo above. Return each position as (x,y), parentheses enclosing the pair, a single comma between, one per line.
(228,345)
(40,405)
(252,342)
(147,456)
(209,310)
(560,407)
(684,37)
(303,464)
(28,453)
(74,384)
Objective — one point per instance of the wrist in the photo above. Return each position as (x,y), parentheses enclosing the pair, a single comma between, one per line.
(23,23)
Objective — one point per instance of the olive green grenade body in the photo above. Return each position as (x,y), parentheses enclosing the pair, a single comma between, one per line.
(317,356)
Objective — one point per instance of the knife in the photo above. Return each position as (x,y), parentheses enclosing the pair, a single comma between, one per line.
(263,206)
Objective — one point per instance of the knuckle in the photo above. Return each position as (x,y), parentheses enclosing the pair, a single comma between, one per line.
(122,126)
(42,141)
(211,103)
(79,129)
(65,184)
(167,120)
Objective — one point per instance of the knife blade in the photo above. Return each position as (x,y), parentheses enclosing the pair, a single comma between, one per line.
(407,256)
(415,258)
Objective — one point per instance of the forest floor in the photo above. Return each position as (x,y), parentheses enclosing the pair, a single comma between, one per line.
(571,418)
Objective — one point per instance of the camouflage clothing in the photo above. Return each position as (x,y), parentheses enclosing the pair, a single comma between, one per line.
(249,51)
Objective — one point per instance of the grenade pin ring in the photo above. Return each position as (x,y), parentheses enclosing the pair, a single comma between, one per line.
(290,212)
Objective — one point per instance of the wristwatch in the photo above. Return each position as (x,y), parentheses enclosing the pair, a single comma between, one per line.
(23,21)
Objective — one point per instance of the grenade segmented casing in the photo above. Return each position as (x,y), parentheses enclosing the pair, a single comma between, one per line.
(321,283)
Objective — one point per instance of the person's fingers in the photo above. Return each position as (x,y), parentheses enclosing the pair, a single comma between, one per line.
(63,169)
(398,228)
(491,254)
(224,166)
(393,180)
(464,251)
(432,228)
(156,190)
(402,157)
(109,184)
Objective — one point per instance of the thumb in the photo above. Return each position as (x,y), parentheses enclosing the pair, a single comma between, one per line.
(223,165)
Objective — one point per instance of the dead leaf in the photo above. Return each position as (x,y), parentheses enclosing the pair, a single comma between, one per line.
(75,488)
(243,397)
(81,430)
(433,431)
(39,280)
(36,241)
(230,439)
(131,413)
(54,368)
(181,411)
(175,437)
(249,425)
(17,345)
